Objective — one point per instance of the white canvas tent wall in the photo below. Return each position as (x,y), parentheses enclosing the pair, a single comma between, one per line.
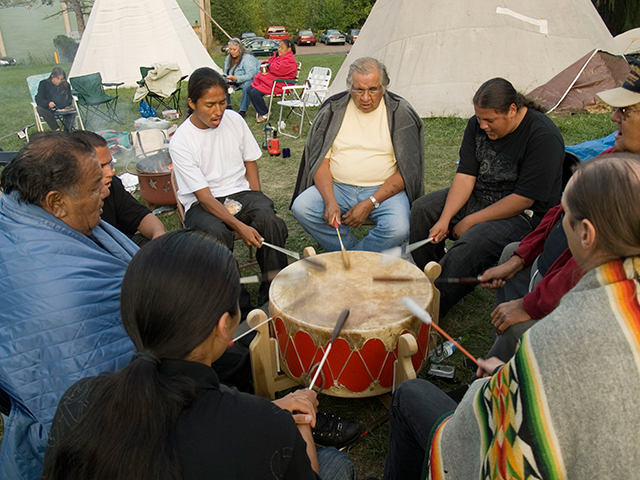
(629,41)
(122,35)
(438,52)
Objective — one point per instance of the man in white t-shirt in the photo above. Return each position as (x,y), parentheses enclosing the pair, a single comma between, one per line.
(214,158)
(364,158)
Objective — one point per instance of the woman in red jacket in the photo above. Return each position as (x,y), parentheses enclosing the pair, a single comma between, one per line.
(282,65)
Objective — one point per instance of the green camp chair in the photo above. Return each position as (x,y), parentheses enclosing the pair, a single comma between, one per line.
(92,100)
(170,102)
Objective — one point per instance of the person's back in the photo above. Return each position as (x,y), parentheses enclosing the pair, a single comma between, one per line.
(59,290)
(165,416)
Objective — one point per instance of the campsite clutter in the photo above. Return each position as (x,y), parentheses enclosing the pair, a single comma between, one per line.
(544,41)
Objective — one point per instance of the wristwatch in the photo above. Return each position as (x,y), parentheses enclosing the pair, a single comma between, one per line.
(375,202)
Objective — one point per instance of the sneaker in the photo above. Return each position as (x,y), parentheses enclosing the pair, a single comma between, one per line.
(334,431)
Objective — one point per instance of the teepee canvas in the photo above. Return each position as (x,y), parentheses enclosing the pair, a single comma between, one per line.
(123,35)
(438,52)
(629,41)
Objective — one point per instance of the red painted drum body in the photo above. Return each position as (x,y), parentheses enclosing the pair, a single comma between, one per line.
(306,304)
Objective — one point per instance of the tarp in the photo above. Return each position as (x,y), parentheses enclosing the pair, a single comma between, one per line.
(574,89)
(629,41)
(438,52)
(123,35)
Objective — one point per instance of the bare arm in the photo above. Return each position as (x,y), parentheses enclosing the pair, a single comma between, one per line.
(249,235)
(307,436)
(459,194)
(360,212)
(151,227)
(507,207)
(324,183)
(252,175)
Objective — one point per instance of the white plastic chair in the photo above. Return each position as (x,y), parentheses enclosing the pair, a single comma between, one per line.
(300,97)
(33,82)
(286,83)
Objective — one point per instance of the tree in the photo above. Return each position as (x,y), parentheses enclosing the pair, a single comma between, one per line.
(619,15)
(79,7)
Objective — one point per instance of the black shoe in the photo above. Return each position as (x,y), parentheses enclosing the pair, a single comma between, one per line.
(243,113)
(334,431)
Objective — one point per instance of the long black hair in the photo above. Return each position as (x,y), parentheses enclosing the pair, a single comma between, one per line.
(174,292)
(200,81)
(64,87)
(498,94)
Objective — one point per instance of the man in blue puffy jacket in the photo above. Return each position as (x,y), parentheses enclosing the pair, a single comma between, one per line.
(61,270)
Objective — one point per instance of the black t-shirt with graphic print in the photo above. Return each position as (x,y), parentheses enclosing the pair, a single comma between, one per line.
(527,162)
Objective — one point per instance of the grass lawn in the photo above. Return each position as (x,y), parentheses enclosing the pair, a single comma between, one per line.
(468,321)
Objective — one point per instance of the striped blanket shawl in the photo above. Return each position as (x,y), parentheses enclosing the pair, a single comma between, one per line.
(567,405)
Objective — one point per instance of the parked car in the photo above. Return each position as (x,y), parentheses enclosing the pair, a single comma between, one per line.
(7,61)
(331,36)
(247,35)
(305,37)
(351,35)
(261,46)
(276,33)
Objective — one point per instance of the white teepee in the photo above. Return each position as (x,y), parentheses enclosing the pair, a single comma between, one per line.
(438,52)
(123,35)
(629,41)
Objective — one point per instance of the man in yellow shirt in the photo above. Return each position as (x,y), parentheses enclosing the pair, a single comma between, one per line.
(364,158)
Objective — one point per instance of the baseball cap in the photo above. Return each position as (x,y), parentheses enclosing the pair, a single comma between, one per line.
(626,95)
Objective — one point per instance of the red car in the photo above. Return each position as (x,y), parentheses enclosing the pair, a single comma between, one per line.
(305,37)
(276,33)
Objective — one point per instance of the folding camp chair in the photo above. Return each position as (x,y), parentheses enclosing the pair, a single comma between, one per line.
(167,100)
(92,98)
(282,81)
(300,97)
(33,82)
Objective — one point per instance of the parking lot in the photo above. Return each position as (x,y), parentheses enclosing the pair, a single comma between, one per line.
(322,49)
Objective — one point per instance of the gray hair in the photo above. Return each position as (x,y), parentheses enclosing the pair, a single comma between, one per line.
(238,43)
(366,65)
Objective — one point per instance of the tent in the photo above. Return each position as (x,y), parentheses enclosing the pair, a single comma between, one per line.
(575,88)
(123,35)
(629,41)
(438,52)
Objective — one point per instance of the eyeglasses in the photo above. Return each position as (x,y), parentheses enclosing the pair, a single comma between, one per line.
(625,111)
(371,91)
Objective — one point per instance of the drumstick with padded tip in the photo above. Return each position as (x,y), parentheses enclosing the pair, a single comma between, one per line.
(424,316)
(309,261)
(336,331)
(252,329)
(468,280)
(345,257)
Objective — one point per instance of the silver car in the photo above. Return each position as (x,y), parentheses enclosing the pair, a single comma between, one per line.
(331,36)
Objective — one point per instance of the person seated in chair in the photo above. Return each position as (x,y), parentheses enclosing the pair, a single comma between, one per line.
(239,69)
(509,175)
(565,405)
(215,157)
(282,65)
(120,208)
(54,98)
(535,274)
(364,158)
(61,270)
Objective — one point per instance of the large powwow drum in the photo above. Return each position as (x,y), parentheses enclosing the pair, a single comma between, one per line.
(306,304)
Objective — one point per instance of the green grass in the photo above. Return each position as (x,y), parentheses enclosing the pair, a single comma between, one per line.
(469,320)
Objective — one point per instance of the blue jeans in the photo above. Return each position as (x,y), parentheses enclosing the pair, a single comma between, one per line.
(392,218)
(257,98)
(336,465)
(244,103)
(416,407)
(478,249)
